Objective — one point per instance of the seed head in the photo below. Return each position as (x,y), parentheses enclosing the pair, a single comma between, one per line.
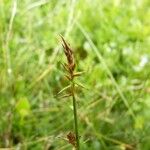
(70,66)
(71,138)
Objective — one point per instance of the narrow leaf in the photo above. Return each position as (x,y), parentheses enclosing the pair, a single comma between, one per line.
(81,85)
(65,88)
(78,73)
(65,96)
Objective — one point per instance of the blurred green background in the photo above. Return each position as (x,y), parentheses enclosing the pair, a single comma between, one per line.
(111,42)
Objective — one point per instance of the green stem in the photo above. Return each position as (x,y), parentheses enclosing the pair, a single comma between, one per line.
(75,116)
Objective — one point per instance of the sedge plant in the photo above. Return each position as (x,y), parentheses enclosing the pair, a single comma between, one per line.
(71,74)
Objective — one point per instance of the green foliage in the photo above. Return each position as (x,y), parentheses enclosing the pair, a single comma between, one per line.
(111,43)
(23,107)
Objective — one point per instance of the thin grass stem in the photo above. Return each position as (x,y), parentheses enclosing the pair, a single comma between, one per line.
(75,116)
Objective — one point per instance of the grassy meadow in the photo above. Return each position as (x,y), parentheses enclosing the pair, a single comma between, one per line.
(111,44)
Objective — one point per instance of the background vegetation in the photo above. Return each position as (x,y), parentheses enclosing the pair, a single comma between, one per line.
(111,44)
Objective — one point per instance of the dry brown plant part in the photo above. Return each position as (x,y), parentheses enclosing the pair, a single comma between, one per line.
(72,139)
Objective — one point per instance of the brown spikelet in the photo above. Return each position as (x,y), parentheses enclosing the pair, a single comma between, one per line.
(70,58)
(71,138)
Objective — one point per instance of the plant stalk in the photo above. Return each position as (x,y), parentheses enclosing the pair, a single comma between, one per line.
(75,116)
